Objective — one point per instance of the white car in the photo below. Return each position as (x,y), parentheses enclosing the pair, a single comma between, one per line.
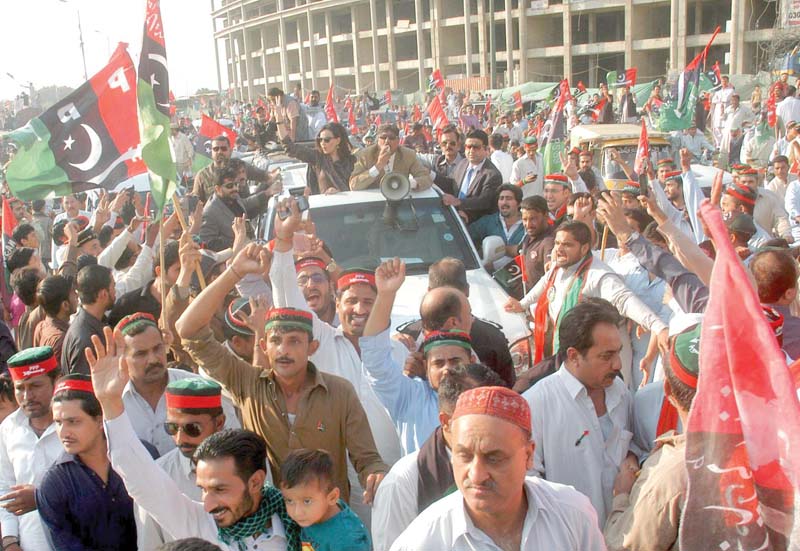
(353,227)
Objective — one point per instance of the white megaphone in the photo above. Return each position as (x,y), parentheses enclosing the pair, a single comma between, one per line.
(395,186)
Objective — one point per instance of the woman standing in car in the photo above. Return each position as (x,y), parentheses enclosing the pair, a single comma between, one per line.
(330,163)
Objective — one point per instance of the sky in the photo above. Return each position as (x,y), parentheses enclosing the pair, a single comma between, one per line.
(40,41)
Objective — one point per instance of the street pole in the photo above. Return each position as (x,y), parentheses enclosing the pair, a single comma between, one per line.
(83,52)
(492,48)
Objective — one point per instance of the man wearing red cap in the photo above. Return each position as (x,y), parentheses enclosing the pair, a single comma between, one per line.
(29,444)
(339,352)
(314,280)
(680,196)
(557,190)
(293,404)
(497,505)
(740,199)
(769,212)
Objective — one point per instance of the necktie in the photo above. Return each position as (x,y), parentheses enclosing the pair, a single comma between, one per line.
(468,181)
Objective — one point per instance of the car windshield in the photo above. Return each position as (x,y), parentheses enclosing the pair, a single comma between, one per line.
(612,169)
(358,235)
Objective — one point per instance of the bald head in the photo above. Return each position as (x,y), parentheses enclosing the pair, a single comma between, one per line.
(445,308)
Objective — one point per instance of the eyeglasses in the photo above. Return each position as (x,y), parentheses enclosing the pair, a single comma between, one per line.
(326,139)
(302,281)
(219,148)
(230,185)
(192,430)
(453,144)
(386,138)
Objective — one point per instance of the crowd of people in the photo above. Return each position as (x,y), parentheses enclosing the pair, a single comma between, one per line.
(185,384)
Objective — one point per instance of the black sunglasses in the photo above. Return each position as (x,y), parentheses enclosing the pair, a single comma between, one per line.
(192,430)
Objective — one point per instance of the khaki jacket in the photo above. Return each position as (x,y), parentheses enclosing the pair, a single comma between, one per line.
(405,162)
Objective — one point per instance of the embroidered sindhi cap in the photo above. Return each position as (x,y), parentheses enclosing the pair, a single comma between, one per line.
(495,401)
(560,179)
(290,319)
(239,306)
(131,323)
(31,363)
(685,356)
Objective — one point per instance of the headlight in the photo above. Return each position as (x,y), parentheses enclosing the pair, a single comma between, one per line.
(521,354)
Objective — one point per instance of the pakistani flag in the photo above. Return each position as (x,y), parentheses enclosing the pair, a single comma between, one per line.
(153,99)
(89,139)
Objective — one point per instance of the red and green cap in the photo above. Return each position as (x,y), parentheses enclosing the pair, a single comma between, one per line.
(193,393)
(631,186)
(232,319)
(742,193)
(353,276)
(75,382)
(685,356)
(289,318)
(560,179)
(453,337)
(134,321)
(32,362)
(666,161)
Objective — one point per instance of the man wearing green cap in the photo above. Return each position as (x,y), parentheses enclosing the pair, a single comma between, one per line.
(648,505)
(412,403)
(194,412)
(527,172)
(29,444)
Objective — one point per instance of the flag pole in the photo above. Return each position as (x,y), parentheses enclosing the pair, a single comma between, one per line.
(163,271)
(603,243)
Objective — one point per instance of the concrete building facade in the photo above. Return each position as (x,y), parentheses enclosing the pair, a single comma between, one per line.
(395,44)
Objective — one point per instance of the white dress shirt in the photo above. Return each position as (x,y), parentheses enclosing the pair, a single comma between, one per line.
(792,201)
(395,505)
(558,519)
(561,413)
(503,161)
(337,356)
(601,282)
(24,459)
(788,109)
(152,489)
(524,166)
(692,197)
(149,424)
(779,187)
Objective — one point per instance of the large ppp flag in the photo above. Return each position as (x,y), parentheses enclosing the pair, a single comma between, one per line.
(153,100)
(743,433)
(88,139)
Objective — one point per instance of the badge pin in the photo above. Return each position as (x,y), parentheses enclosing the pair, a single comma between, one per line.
(321,426)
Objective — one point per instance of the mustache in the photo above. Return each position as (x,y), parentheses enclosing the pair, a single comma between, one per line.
(488,485)
(284,359)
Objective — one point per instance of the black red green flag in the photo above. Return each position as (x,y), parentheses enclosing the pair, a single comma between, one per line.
(743,433)
(154,107)
(87,140)
(625,78)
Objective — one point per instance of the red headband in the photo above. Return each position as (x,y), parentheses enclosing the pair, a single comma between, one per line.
(310,262)
(185,401)
(741,197)
(74,384)
(672,174)
(32,370)
(355,277)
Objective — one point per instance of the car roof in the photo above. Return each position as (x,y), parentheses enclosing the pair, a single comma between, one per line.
(610,131)
(364,196)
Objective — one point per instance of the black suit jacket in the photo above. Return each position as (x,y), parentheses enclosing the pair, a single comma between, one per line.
(481,196)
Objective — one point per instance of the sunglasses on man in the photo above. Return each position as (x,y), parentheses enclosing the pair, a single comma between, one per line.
(192,430)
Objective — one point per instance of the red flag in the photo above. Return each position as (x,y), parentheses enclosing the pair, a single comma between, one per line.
(437,114)
(487,109)
(598,108)
(743,434)
(378,121)
(520,262)
(517,98)
(427,134)
(307,99)
(330,107)
(772,103)
(8,246)
(209,129)
(351,116)
(348,104)
(417,115)
(173,109)
(435,80)
(643,151)
(261,103)
(581,87)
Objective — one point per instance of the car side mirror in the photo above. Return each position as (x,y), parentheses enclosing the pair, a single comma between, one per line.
(493,249)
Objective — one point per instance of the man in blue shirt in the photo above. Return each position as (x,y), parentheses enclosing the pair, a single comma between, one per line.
(82,501)
(412,403)
(506,223)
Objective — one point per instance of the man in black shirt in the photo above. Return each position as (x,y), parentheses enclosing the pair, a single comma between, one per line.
(96,291)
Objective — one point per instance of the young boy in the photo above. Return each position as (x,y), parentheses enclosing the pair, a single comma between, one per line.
(312,500)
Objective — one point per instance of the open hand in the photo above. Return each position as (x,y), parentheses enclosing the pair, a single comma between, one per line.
(610,212)
(109,370)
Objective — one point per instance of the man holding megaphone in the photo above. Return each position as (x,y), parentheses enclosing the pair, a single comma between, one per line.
(387,155)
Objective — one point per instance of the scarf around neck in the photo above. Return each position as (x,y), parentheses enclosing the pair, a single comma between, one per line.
(436,478)
(571,298)
(271,503)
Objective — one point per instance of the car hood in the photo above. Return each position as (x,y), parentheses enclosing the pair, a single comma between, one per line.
(486,298)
